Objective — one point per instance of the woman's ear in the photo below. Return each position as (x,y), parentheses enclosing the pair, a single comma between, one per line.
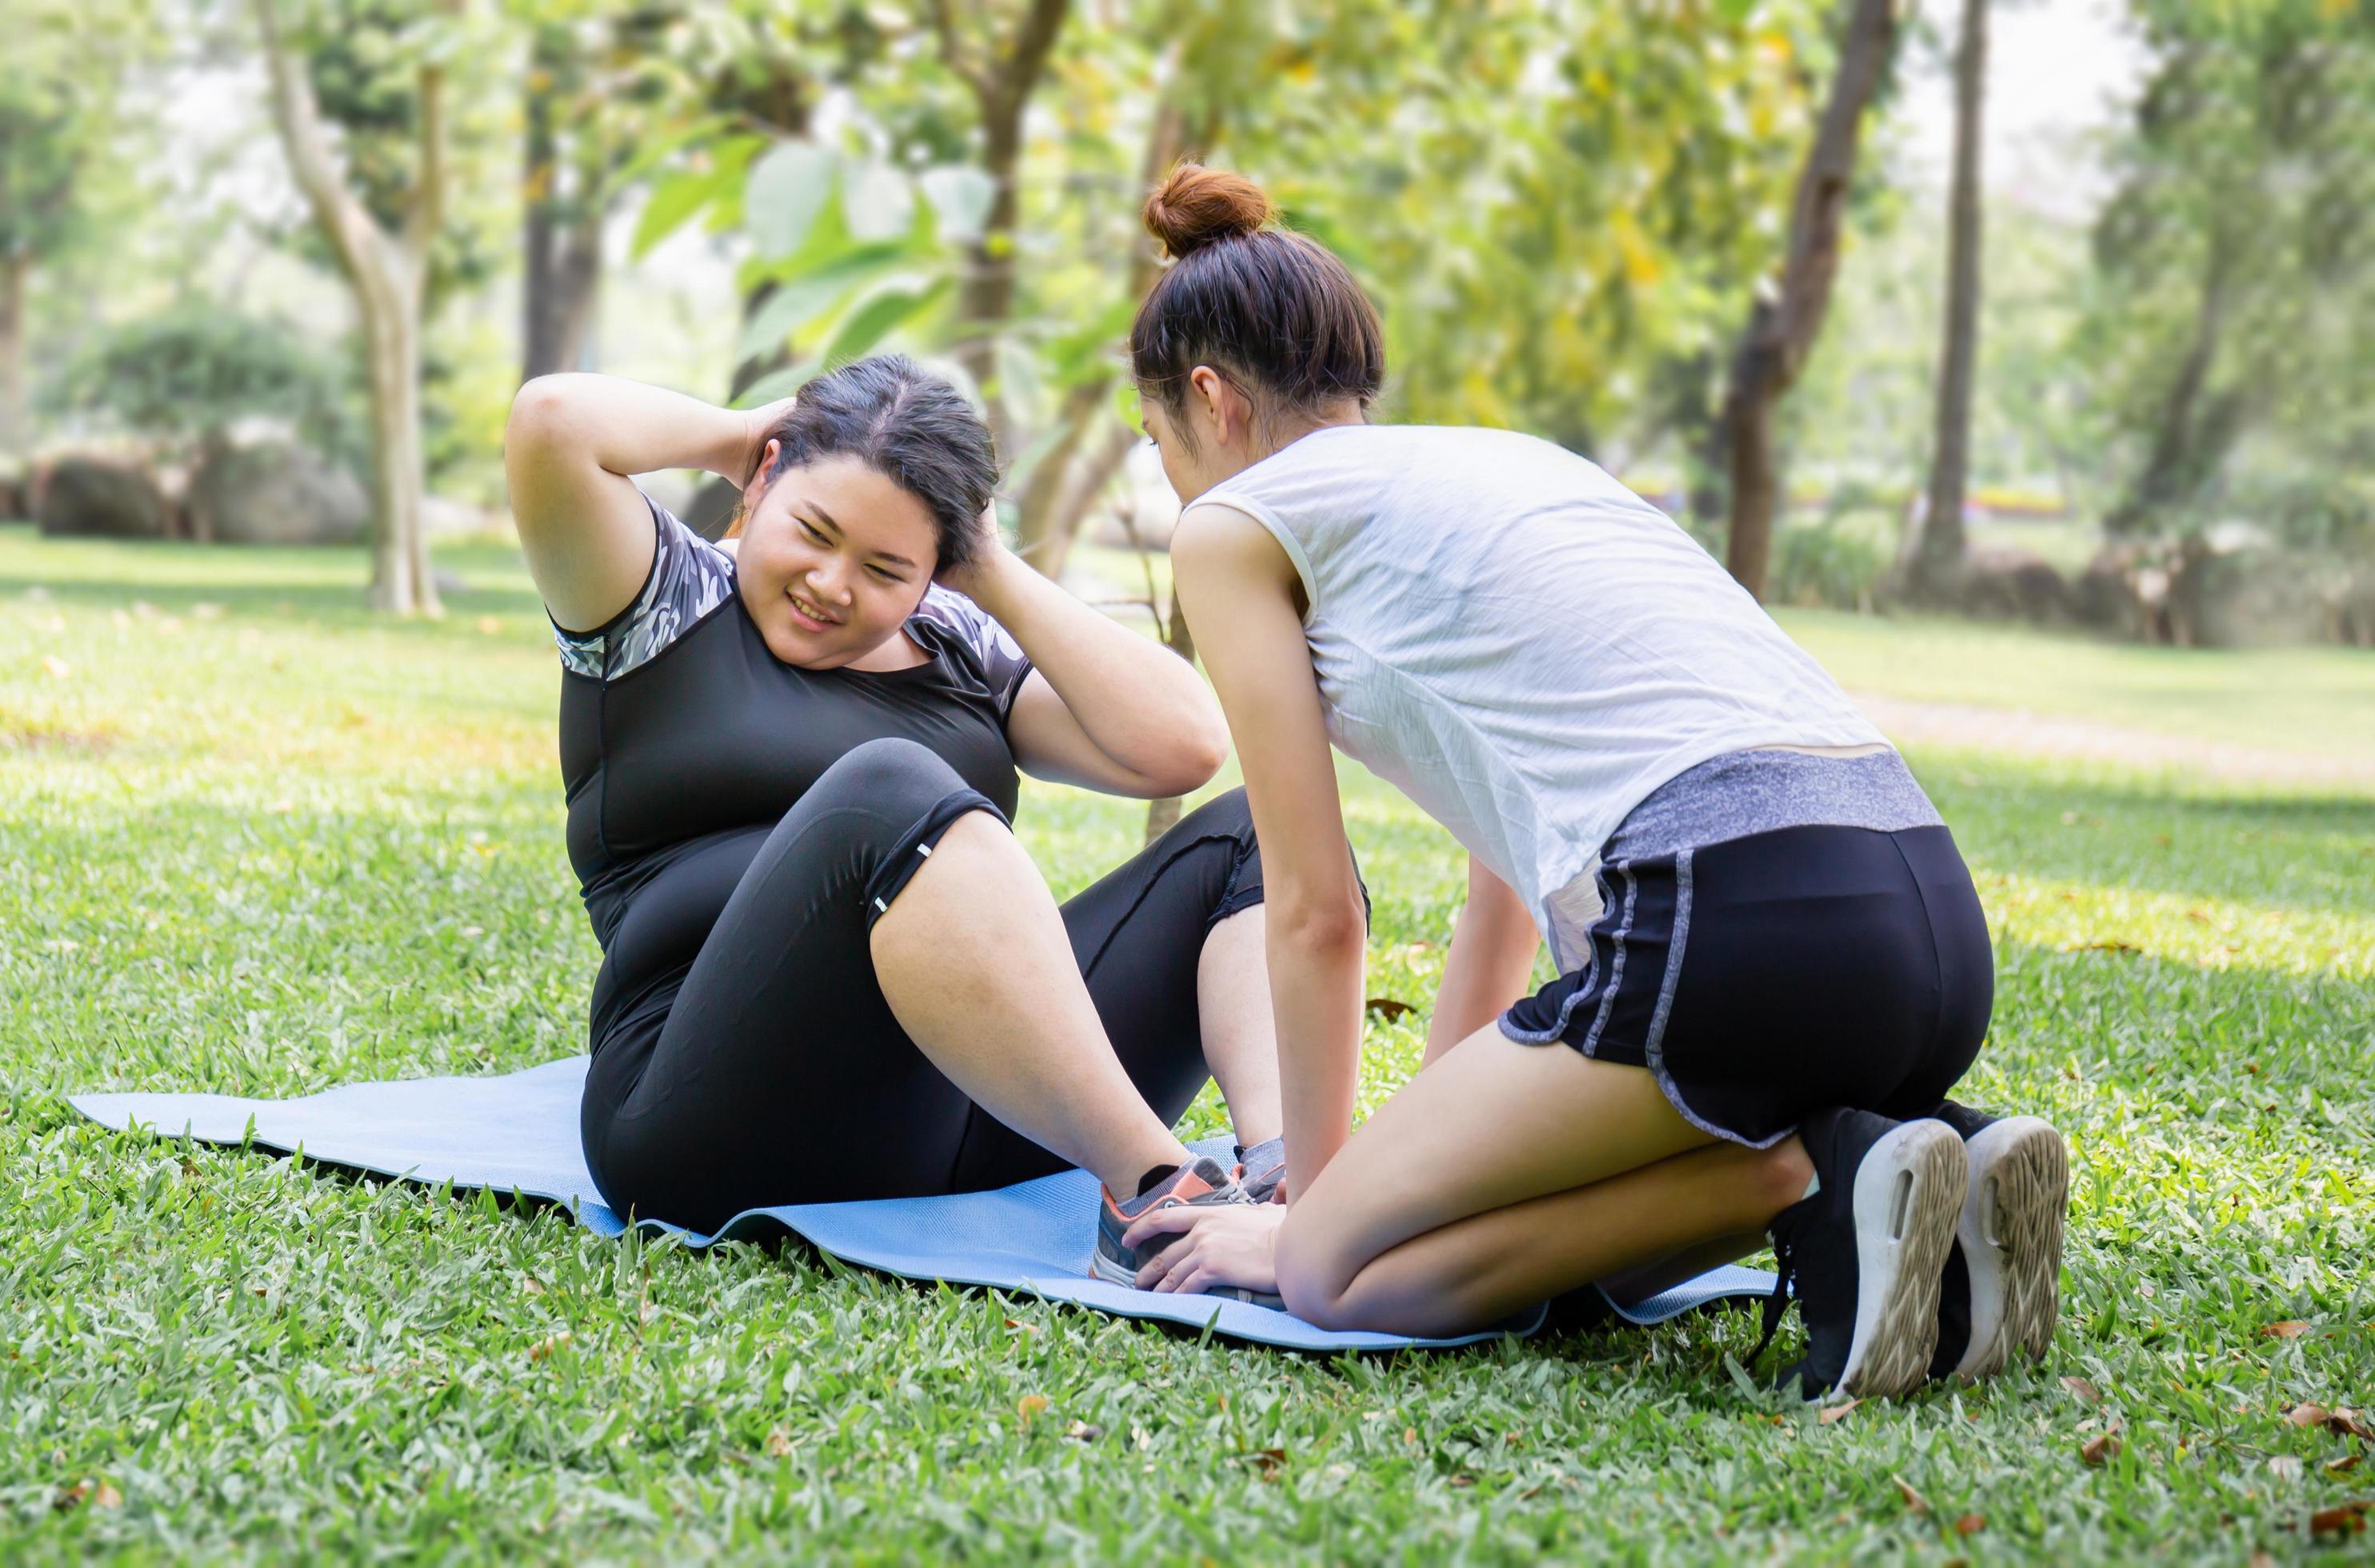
(1225,407)
(756,486)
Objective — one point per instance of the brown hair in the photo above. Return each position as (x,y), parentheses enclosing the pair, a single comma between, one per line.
(1272,310)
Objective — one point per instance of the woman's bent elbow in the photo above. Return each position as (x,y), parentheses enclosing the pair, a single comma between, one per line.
(1203,751)
(537,408)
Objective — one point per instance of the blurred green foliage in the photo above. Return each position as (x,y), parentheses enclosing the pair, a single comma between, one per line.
(2233,342)
(182,378)
(1562,207)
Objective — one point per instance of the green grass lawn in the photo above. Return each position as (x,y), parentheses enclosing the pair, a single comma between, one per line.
(254,840)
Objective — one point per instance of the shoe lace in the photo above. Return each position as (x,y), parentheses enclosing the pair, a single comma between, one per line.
(1785,1269)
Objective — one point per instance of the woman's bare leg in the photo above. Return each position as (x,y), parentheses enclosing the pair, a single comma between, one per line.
(974,960)
(1240,1039)
(1505,1174)
(1632,1286)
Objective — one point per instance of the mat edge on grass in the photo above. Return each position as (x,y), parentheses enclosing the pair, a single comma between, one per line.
(531,1116)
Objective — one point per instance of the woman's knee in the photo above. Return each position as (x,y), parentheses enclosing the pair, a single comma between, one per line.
(1225,816)
(888,773)
(1312,1277)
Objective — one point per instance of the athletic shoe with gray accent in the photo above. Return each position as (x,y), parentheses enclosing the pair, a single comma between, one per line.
(1261,1170)
(2002,1282)
(1866,1251)
(1200,1182)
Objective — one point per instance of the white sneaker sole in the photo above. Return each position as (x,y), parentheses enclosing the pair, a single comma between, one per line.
(2018,1192)
(1909,1199)
(1112,1273)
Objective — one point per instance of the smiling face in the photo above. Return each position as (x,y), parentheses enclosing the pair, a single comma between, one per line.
(834,557)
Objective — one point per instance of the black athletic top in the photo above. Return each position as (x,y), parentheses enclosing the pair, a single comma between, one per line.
(684,739)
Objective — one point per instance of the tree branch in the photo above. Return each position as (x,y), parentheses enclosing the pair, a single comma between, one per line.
(952,54)
(349,227)
(1032,47)
(426,210)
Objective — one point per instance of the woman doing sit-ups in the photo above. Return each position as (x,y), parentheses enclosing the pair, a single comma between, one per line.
(828,969)
(1772,965)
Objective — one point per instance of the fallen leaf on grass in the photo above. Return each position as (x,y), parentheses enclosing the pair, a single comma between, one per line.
(1271,1460)
(542,1349)
(779,1442)
(2343,1518)
(2100,1449)
(1913,1500)
(1081,1432)
(2291,1328)
(2342,1424)
(2086,1391)
(60,669)
(1463,1480)
(1030,1404)
(1837,1413)
(2102,945)
(1387,1008)
(99,1495)
(1970,1524)
(2344,1465)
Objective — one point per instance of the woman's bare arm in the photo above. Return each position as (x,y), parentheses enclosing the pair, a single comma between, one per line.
(1237,587)
(571,442)
(1104,707)
(1491,960)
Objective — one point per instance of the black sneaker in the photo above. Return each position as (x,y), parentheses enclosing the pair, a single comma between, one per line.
(1261,1170)
(1866,1250)
(2002,1282)
(1198,1183)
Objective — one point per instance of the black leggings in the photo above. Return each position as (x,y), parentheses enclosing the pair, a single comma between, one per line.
(773,1072)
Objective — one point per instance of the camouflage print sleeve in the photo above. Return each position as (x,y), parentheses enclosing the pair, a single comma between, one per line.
(690,577)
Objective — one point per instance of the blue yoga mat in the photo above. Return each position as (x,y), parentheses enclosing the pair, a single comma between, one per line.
(518,1133)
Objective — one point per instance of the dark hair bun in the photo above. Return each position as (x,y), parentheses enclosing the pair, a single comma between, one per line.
(1197,206)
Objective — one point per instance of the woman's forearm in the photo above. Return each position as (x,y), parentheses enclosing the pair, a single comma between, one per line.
(1492,958)
(626,427)
(1143,705)
(1316,966)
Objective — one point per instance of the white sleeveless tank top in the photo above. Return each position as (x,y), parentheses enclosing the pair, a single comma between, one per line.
(1522,646)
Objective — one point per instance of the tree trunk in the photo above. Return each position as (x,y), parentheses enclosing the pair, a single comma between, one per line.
(561,237)
(1787,317)
(1040,537)
(1939,545)
(387,273)
(1091,476)
(1002,85)
(2181,460)
(774,94)
(16,432)
(986,292)
(1057,499)
(400,574)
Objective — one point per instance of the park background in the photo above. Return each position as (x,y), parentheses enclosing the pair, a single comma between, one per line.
(2016,354)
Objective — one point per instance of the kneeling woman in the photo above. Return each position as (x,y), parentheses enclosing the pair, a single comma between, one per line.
(829,972)
(1773,963)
